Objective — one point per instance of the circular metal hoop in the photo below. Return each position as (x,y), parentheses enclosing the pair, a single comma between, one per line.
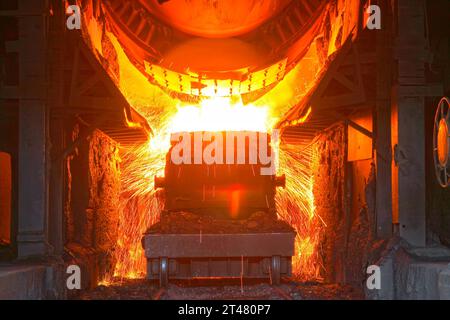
(441,142)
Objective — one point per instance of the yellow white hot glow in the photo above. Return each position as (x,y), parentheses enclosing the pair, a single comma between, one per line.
(141,204)
(220,114)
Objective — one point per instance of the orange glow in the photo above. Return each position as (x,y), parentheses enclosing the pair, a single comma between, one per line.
(295,204)
(223,19)
(300,120)
(442,142)
(141,204)
(235,199)
(131,124)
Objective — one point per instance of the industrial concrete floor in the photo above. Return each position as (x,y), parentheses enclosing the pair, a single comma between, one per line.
(230,289)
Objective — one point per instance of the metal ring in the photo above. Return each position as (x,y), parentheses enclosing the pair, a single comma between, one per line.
(441,142)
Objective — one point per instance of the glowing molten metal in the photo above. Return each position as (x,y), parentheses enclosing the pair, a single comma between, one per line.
(141,204)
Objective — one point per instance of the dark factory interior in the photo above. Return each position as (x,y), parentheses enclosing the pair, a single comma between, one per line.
(317,161)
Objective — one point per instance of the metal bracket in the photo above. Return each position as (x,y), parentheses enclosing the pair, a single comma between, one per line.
(359,128)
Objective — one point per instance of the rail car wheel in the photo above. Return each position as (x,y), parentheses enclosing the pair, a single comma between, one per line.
(275,270)
(163,272)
